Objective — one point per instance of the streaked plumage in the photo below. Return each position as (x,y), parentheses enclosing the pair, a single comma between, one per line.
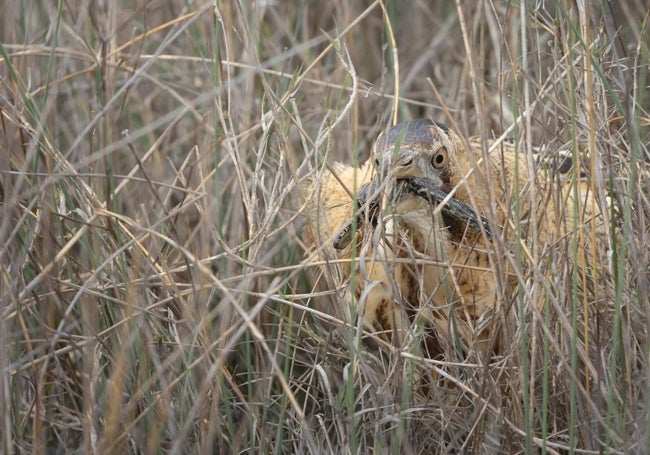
(412,262)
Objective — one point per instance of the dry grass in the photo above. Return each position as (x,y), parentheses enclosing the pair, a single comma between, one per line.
(155,294)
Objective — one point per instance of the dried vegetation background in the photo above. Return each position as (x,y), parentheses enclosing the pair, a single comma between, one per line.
(155,293)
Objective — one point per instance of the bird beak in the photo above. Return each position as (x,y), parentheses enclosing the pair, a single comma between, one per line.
(408,163)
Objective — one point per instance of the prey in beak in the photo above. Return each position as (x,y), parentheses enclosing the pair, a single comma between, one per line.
(369,207)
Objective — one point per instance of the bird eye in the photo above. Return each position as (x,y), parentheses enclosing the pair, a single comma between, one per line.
(377,162)
(439,160)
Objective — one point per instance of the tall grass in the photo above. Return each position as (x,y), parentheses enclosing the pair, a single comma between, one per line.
(157,295)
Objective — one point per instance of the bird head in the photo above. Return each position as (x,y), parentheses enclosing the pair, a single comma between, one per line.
(413,160)
(419,162)
(418,148)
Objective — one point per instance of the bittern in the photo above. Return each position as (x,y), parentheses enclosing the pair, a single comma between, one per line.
(415,216)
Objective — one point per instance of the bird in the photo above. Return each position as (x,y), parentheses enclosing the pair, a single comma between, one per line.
(431,224)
